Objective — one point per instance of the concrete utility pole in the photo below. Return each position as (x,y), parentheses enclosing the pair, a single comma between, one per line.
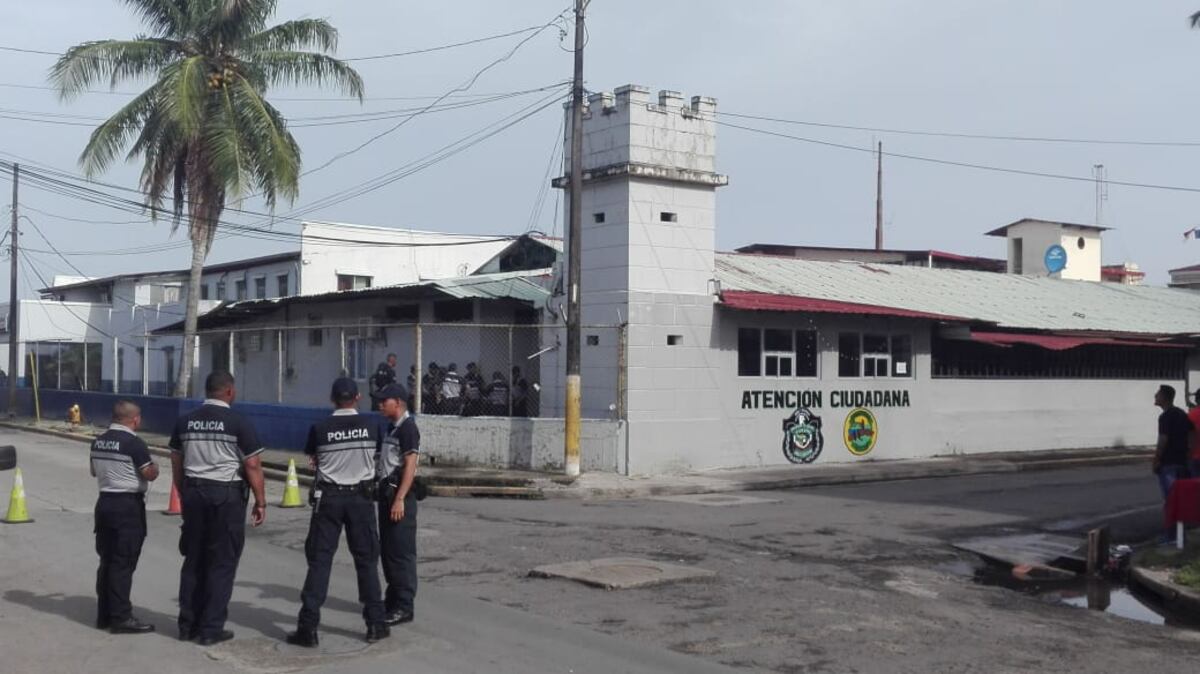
(574,250)
(14,309)
(879,199)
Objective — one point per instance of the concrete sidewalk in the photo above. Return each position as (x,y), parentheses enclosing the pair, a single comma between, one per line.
(483,482)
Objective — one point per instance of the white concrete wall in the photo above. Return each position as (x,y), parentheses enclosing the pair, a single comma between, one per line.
(397,256)
(534,444)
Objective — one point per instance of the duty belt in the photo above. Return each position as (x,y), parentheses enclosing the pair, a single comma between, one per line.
(204,482)
(333,486)
(123,494)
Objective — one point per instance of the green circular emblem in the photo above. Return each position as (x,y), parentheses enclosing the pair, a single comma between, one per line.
(860,431)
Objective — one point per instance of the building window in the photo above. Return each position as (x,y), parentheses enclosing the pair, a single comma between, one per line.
(874,355)
(356,357)
(672,340)
(203,291)
(352,282)
(449,311)
(239,289)
(749,352)
(281,283)
(254,341)
(593,340)
(403,313)
(668,217)
(316,336)
(220,291)
(598,218)
(962,359)
(260,288)
(776,352)
(1018,255)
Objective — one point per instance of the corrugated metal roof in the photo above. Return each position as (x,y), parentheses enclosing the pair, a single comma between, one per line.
(517,285)
(1010,301)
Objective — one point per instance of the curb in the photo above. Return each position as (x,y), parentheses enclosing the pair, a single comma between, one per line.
(1172,595)
(494,486)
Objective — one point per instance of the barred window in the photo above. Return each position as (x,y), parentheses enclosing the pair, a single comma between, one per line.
(777,352)
(961,359)
(873,355)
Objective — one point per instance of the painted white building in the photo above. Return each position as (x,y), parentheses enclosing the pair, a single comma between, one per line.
(106,321)
(755,360)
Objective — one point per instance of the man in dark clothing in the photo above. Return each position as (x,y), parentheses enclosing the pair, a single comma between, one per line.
(1171,452)
(451,390)
(215,463)
(397,470)
(520,394)
(123,469)
(431,389)
(342,448)
(497,396)
(473,386)
(385,374)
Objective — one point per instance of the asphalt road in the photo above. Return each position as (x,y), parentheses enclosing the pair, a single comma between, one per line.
(837,579)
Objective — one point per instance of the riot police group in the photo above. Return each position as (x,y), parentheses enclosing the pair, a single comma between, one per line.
(444,391)
(365,483)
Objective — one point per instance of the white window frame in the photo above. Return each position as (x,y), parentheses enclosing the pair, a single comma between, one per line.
(257,279)
(887,359)
(356,357)
(790,355)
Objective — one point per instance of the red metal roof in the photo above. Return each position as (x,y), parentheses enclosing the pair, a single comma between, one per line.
(1060,342)
(752,301)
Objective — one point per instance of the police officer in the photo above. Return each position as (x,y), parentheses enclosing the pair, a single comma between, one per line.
(342,448)
(397,470)
(497,395)
(385,374)
(452,386)
(122,466)
(215,462)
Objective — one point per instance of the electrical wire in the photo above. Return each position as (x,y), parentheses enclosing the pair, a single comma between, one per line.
(972,136)
(962,164)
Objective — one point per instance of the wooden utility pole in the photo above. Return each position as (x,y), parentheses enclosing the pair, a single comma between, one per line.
(879,199)
(14,309)
(574,387)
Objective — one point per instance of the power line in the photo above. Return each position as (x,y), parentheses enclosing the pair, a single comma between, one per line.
(372,57)
(319,99)
(973,136)
(961,164)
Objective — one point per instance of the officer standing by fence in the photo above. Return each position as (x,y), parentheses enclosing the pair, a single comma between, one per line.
(385,374)
(398,495)
(343,449)
(122,466)
(215,462)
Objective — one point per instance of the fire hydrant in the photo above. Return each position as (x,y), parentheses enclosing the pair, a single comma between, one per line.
(74,416)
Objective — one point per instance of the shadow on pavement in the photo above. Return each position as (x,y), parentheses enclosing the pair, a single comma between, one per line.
(268,621)
(82,609)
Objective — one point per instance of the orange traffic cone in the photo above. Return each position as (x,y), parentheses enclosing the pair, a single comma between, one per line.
(173,507)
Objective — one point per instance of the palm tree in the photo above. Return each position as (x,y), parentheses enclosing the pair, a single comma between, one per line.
(204,130)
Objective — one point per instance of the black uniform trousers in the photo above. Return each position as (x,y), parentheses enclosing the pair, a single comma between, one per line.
(211,541)
(398,545)
(120,530)
(354,510)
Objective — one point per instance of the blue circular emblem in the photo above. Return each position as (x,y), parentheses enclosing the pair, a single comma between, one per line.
(1056,259)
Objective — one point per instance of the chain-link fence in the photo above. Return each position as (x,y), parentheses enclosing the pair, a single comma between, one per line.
(461,369)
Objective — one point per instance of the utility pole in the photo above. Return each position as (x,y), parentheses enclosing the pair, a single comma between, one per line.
(879,199)
(574,388)
(14,313)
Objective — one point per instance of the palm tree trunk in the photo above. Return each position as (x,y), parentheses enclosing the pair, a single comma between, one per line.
(192,311)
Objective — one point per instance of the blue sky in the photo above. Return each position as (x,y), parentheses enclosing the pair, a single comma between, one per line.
(1069,69)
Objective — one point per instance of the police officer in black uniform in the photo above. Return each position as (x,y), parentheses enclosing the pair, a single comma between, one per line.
(123,468)
(215,463)
(397,471)
(385,374)
(343,451)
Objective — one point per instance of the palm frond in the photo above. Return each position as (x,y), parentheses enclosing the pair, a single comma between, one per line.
(188,84)
(108,139)
(316,34)
(236,20)
(300,68)
(85,64)
(168,18)
(1195,20)
(267,144)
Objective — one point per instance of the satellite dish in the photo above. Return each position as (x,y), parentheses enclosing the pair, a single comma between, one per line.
(1056,259)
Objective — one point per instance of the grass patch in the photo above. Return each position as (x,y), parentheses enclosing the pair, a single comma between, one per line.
(1189,575)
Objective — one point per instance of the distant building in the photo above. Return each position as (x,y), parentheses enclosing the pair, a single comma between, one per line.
(1128,274)
(933,259)
(1036,246)
(1186,277)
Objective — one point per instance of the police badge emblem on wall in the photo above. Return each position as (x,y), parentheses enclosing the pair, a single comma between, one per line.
(802,438)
